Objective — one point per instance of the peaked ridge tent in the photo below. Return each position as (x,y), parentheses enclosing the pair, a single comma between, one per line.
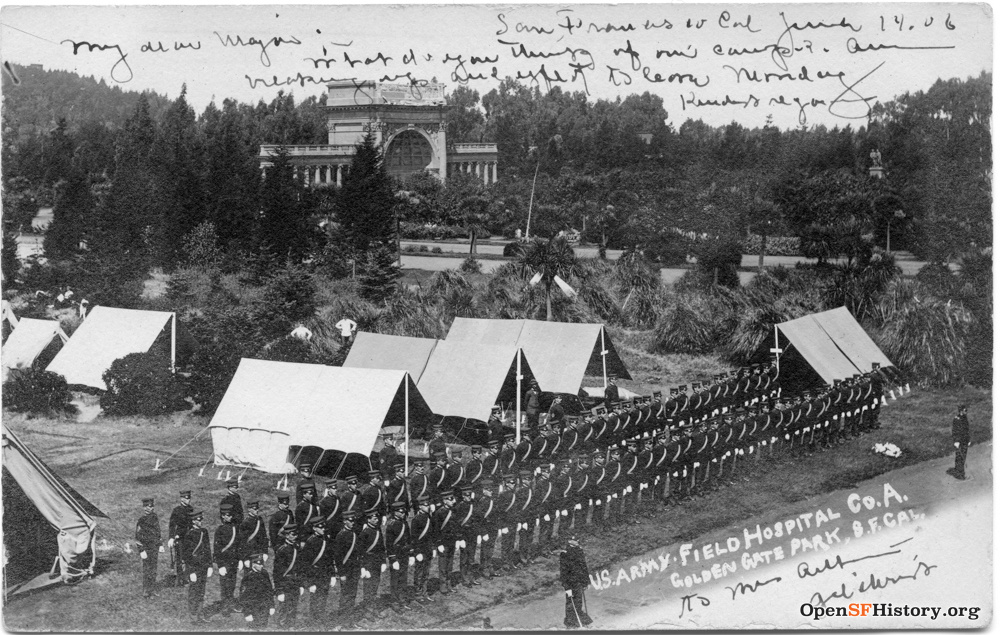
(45,521)
(108,334)
(464,379)
(271,406)
(833,344)
(395,352)
(27,342)
(561,353)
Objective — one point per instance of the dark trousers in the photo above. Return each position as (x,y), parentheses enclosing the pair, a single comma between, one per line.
(545,528)
(421,571)
(179,578)
(349,590)
(465,559)
(286,611)
(397,580)
(960,453)
(445,563)
(507,547)
(260,620)
(196,590)
(318,598)
(227,585)
(371,583)
(576,616)
(149,571)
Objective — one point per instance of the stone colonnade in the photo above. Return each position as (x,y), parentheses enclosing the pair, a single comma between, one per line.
(318,174)
(486,170)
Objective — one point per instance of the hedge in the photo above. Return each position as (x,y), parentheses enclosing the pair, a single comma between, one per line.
(417,231)
(776,245)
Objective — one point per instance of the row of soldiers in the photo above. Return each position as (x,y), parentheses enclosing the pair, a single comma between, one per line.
(507,504)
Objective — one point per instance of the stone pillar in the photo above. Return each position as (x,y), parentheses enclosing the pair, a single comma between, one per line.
(339,175)
(486,173)
(495,172)
(442,152)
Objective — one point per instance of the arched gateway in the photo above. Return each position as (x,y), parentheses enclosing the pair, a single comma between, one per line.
(409,123)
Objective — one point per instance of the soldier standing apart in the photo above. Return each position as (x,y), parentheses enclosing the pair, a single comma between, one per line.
(147,534)
(287,565)
(960,437)
(387,457)
(227,557)
(256,594)
(196,551)
(533,405)
(177,528)
(611,395)
(437,444)
(574,578)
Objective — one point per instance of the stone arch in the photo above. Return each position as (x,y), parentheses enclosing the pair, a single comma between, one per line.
(409,150)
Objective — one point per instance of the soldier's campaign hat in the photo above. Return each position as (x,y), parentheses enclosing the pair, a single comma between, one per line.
(682,388)
(306,486)
(226,508)
(317,520)
(875,365)
(674,391)
(186,493)
(290,530)
(477,448)
(963,406)
(695,385)
(332,482)
(419,460)
(233,482)
(351,479)
(495,408)
(597,452)
(437,426)
(508,435)
(349,515)
(196,514)
(147,502)
(257,558)
(440,455)
(631,442)
(373,473)
(397,505)
(305,466)
(398,465)
(446,494)
(510,476)
(283,498)
(525,473)
(612,375)
(492,443)
(253,505)
(464,488)
(486,482)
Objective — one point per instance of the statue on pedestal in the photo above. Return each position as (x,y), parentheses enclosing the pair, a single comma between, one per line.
(876,158)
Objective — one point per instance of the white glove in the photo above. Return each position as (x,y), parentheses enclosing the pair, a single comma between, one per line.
(569,593)
(222,571)
(170,543)
(458,544)
(302,591)
(615,496)
(419,558)
(333,581)
(208,574)
(479,540)
(440,548)
(547,519)
(239,565)
(364,573)
(537,521)
(343,578)
(598,502)
(384,567)
(957,444)
(395,565)
(505,530)
(578,506)
(629,489)
(564,512)
(194,577)
(412,560)
(312,588)
(486,537)
(161,548)
(281,597)
(270,611)
(142,554)
(249,618)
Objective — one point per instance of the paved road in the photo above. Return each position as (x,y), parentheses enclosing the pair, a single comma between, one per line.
(931,546)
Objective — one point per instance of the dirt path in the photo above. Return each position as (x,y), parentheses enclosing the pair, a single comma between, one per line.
(941,537)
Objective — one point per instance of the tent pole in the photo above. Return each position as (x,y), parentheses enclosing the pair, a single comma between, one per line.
(777,357)
(335,474)
(604,359)
(173,343)
(406,426)
(517,410)
(318,461)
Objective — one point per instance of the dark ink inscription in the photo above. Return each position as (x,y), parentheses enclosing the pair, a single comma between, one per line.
(838,563)
(265,59)
(854,47)
(783,50)
(743,589)
(106,47)
(687,606)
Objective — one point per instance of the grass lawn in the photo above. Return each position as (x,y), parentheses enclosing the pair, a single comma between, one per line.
(110,461)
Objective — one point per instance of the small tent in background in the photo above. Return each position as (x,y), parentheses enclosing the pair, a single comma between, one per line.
(394,352)
(8,320)
(48,528)
(108,334)
(27,342)
(270,407)
(561,353)
(830,344)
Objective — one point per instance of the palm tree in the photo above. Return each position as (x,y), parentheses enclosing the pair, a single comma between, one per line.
(548,259)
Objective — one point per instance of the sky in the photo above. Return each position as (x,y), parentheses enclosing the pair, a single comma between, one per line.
(799,63)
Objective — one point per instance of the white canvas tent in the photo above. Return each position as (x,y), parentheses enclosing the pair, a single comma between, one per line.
(27,342)
(271,406)
(108,334)
(8,314)
(48,527)
(561,353)
(465,379)
(833,344)
(394,352)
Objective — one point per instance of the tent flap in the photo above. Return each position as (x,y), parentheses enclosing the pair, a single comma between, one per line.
(833,343)
(27,342)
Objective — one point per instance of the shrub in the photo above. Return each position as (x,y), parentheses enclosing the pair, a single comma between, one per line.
(776,245)
(719,260)
(141,384)
(289,349)
(423,249)
(668,248)
(212,368)
(37,391)
(696,324)
(291,293)
(512,249)
(471,265)
(436,250)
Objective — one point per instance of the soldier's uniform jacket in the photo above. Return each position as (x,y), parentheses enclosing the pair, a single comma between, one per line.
(630,465)
(256,593)
(600,428)
(570,437)
(545,497)
(347,556)
(585,433)
(614,476)
(397,491)
(329,509)
(317,559)
(279,520)
(253,537)
(506,508)
(644,469)
(372,548)
(473,471)
(422,534)
(227,547)
(349,502)
(562,496)
(439,479)
(525,451)
(581,484)
(446,527)
(553,445)
(454,475)
(397,539)
(598,483)
(237,502)
(420,485)
(507,459)
(491,465)
(372,498)
(524,504)
(288,568)
(486,517)
(465,516)
(305,512)
(196,550)
(178,525)
(960,429)
(147,532)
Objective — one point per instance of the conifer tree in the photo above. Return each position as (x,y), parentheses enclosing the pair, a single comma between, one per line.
(365,202)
